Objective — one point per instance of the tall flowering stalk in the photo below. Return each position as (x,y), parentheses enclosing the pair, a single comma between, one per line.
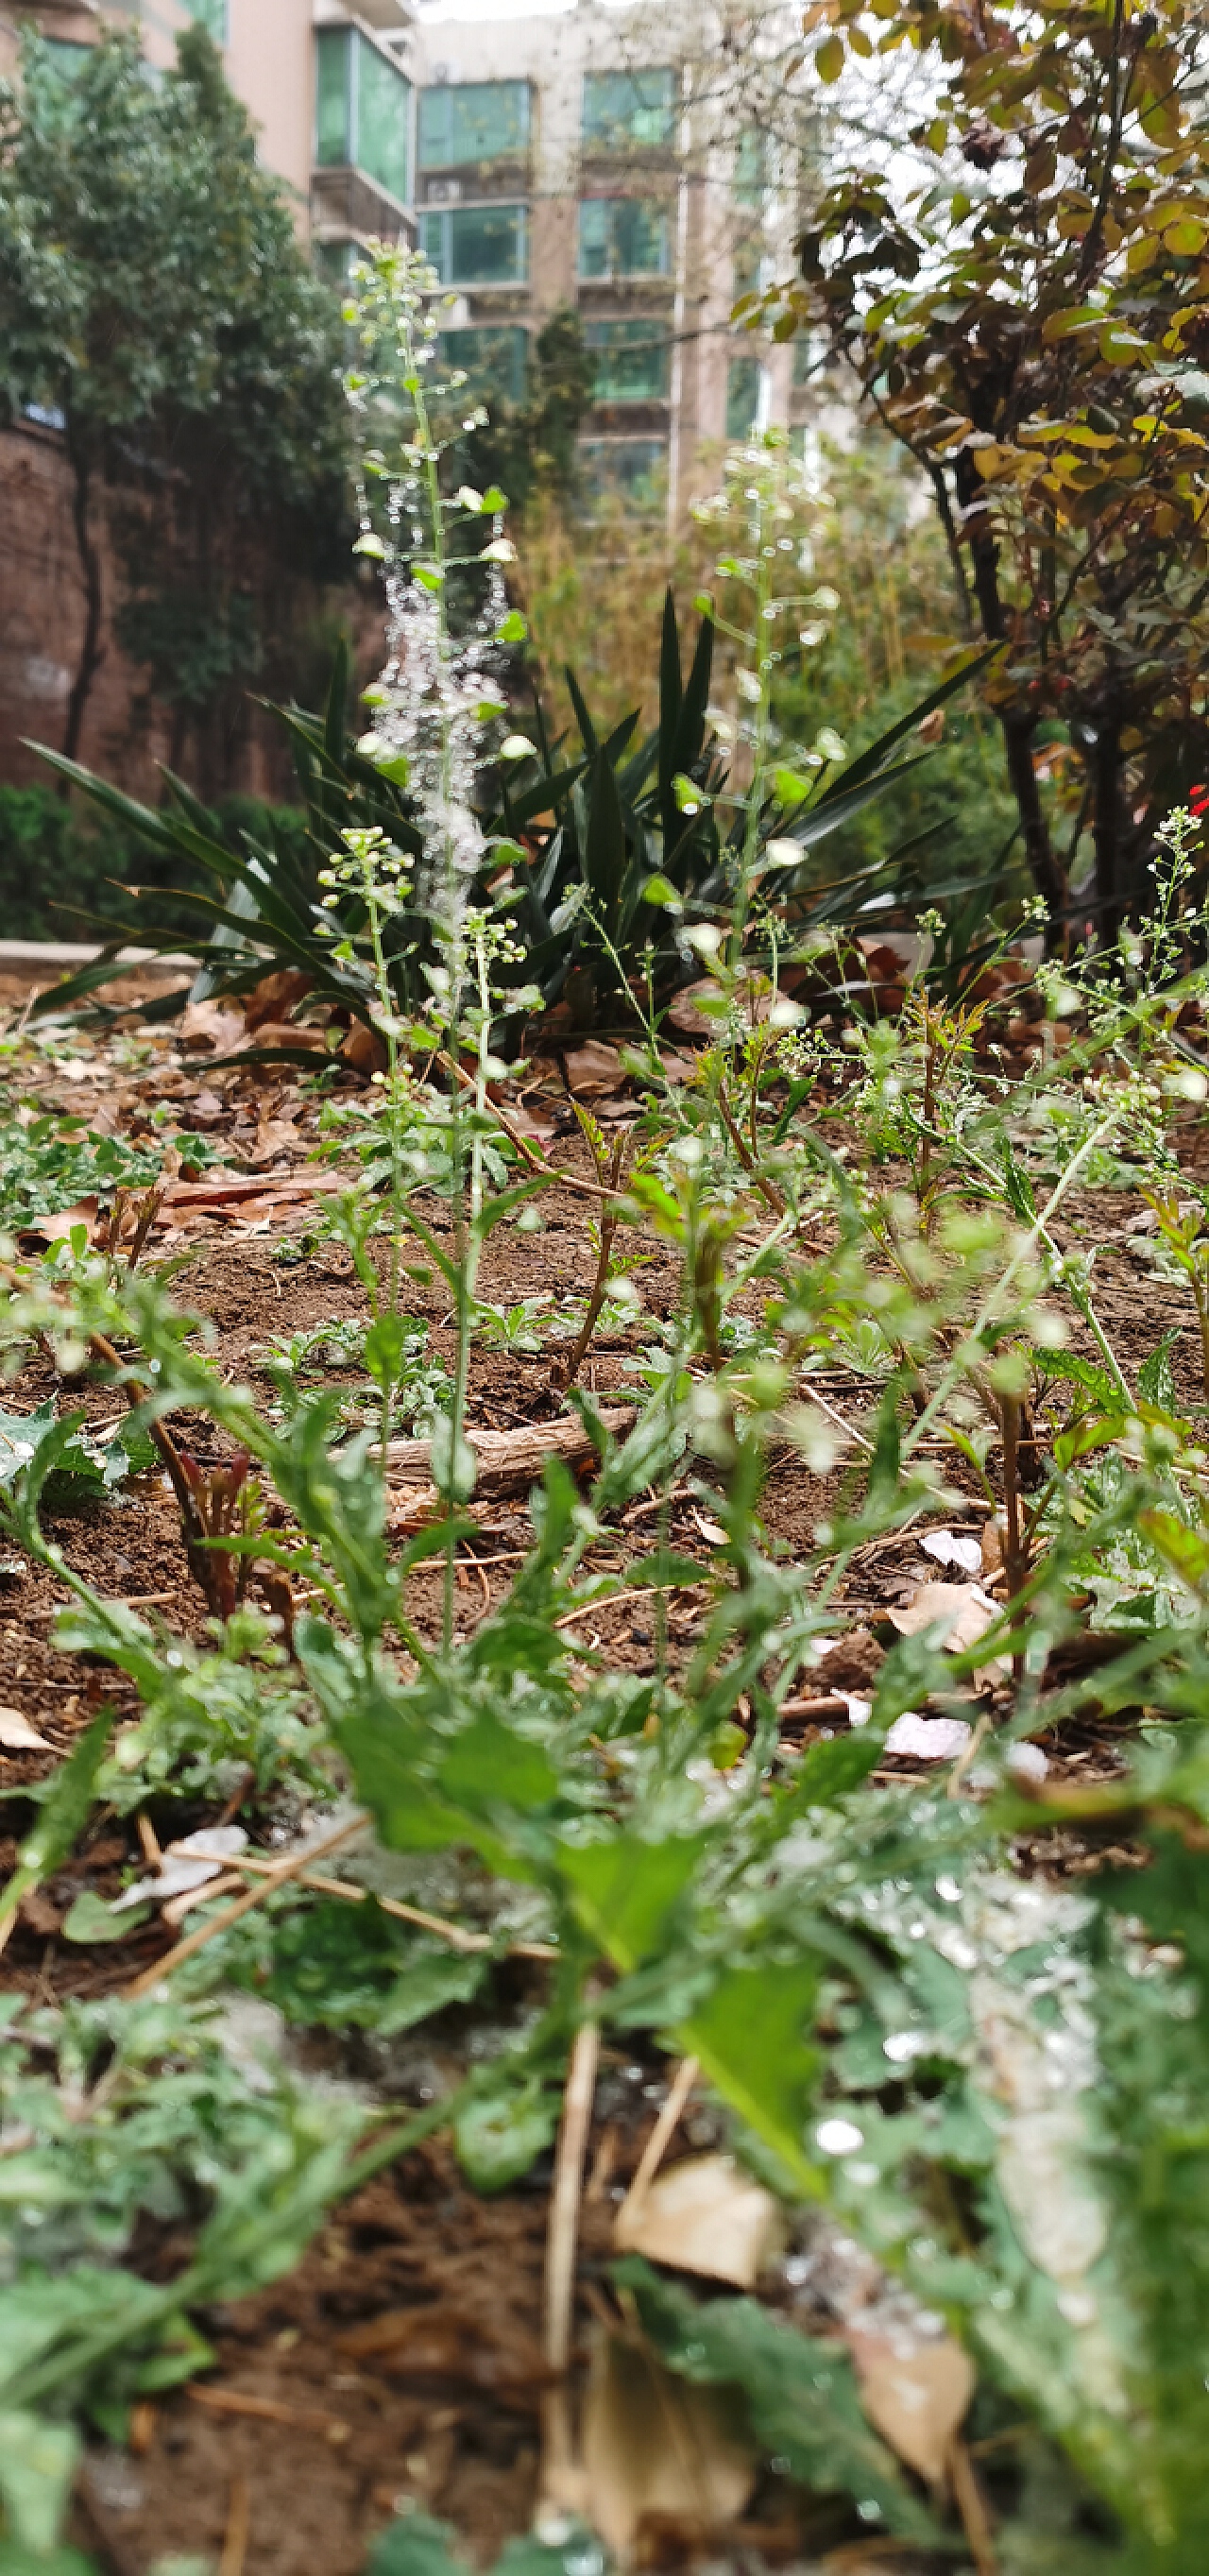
(435,711)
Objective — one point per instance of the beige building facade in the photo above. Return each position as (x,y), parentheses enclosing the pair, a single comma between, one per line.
(589,160)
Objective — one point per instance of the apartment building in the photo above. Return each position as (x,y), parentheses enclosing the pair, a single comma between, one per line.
(328,89)
(582,160)
(585,159)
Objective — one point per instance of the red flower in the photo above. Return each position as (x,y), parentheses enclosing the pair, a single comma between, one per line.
(1198,799)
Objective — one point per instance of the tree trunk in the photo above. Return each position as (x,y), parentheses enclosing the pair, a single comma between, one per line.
(1047,876)
(91,650)
(1018,727)
(1106,826)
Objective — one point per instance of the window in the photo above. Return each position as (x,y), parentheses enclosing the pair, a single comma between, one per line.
(633,470)
(477,245)
(473,121)
(334,259)
(497,362)
(752,169)
(363,110)
(747,268)
(624,237)
(212,15)
(744,395)
(633,361)
(627,108)
(66,56)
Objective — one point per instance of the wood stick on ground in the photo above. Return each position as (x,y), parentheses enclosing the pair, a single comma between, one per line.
(660,2139)
(239,2515)
(458,1937)
(558,2441)
(280,1873)
(633,1592)
(971,2506)
(511,1461)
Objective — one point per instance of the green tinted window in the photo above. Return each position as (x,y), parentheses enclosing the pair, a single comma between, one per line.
(66,56)
(362,110)
(752,168)
(333,105)
(212,15)
(633,469)
(746,267)
(624,237)
(623,108)
(476,245)
(473,121)
(383,103)
(633,361)
(744,384)
(495,361)
(333,259)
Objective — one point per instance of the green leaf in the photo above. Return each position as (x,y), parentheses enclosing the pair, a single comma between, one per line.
(1156,1378)
(499,2136)
(67,1800)
(490,1766)
(625,1892)
(512,629)
(91,1919)
(415,2545)
(348,1966)
(751,2039)
(1121,347)
(800,2392)
(828,1771)
(37,2465)
(829,59)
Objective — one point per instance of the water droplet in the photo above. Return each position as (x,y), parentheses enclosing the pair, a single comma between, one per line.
(839,2137)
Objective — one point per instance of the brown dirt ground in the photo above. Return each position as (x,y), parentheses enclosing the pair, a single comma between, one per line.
(351,2420)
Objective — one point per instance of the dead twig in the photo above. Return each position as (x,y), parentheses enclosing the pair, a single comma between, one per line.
(235,2540)
(975,2520)
(455,1933)
(659,2140)
(280,1872)
(558,2444)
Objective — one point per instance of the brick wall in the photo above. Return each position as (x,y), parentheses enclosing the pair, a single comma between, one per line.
(125,733)
(41,622)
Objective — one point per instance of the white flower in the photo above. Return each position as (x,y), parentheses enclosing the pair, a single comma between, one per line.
(517,746)
(501,550)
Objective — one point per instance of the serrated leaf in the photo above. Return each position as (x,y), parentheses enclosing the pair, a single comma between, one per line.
(800,2392)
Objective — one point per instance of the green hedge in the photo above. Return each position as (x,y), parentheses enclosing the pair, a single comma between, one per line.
(64,875)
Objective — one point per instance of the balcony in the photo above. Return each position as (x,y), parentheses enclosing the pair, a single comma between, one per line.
(361,182)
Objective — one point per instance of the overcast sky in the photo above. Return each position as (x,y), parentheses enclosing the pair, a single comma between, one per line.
(432,12)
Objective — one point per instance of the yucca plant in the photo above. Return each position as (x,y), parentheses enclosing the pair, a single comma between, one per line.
(606,854)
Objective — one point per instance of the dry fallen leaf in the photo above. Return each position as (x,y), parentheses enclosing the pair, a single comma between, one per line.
(593,1068)
(654,2444)
(961,1611)
(915,2397)
(213,1026)
(18,1736)
(59,1227)
(704,2215)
